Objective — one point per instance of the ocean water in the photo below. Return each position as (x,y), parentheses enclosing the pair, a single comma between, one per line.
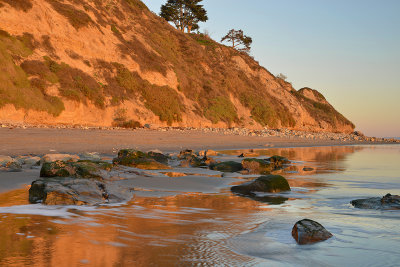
(196,220)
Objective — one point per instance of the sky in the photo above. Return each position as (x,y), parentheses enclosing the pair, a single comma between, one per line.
(349,50)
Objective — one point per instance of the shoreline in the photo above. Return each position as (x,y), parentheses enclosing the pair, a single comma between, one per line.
(23,140)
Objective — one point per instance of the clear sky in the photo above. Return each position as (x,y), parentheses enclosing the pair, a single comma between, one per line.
(349,50)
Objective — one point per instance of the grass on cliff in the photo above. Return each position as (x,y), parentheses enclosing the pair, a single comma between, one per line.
(15,88)
(74,84)
(162,100)
(321,111)
(221,109)
(77,18)
(24,5)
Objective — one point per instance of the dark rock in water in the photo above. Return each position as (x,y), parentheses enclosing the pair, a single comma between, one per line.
(241,156)
(308,232)
(79,169)
(308,169)
(73,191)
(388,202)
(256,166)
(268,183)
(77,183)
(227,166)
(278,161)
(141,160)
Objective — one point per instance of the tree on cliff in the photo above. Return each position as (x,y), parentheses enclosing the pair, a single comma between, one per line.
(185,14)
(239,41)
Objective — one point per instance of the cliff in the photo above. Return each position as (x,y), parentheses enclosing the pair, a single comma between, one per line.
(103,63)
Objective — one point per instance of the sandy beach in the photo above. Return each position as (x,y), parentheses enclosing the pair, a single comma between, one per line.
(20,141)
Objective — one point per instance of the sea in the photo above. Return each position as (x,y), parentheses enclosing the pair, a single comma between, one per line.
(195,220)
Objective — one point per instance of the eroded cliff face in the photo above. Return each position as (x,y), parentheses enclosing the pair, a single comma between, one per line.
(103,63)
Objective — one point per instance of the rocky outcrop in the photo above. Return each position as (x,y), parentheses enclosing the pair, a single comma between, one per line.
(308,232)
(388,202)
(77,183)
(268,183)
(75,191)
(141,160)
(62,157)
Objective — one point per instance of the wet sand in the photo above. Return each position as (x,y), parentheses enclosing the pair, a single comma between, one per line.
(20,141)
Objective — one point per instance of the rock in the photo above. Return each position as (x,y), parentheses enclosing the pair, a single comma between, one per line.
(256,166)
(388,202)
(80,169)
(268,183)
(227,166)
(190,159)
(31,161)
(77,183)
(93,156)
(141,160)
(278,161)
(13,166)
(71,191)
(62,157)
(308,169)
(4,160)
(308,232)
(158,157)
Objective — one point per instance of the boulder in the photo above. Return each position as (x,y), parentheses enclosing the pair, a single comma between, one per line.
(79,169)
(62,157)
(308,169)
(256,166)
(141,160)
(30,161)
(72,191)
(77,183)
(208,153)
(227,166)
(268,183)
(388,202)
(308,232)
(190,159)
(13,166)
(4,160)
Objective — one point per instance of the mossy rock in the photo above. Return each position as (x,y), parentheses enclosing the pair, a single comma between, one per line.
(141,160)
(80,169)
(257,166)
(227,166)
(268,183)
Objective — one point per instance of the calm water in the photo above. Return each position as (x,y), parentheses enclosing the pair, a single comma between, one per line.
(184,227)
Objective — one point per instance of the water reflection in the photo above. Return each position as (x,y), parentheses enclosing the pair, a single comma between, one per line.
(219,228)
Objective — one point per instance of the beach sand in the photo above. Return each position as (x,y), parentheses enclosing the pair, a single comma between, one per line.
(20,141)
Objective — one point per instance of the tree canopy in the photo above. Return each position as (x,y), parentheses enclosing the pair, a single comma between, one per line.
(185,14)
(239,41)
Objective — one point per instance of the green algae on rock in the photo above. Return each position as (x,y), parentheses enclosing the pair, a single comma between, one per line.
(268,183)
(141,160)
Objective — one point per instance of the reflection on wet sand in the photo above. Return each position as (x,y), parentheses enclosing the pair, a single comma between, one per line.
(160,231)
(184,229)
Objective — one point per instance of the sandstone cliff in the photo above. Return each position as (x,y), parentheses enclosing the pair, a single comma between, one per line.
(105,62)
